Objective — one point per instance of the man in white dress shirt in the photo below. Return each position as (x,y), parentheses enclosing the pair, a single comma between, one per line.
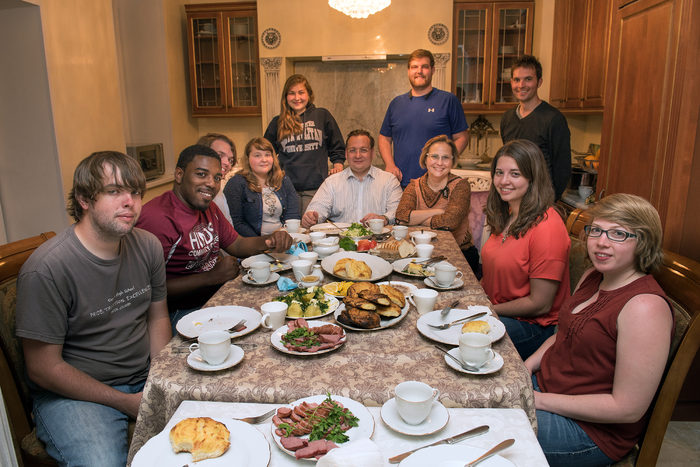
(358,193)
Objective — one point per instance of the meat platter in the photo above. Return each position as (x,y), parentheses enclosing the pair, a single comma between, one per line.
(364,428)
(333,337)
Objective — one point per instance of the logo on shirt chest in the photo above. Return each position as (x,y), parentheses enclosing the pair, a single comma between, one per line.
(431,109)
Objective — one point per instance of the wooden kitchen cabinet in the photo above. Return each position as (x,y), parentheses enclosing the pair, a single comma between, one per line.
(488,38)
(223,59)
(580,52)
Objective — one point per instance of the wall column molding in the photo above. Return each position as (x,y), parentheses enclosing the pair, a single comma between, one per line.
(272,66)
(440,66)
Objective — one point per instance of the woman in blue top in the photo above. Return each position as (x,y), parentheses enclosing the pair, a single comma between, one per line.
(260,197)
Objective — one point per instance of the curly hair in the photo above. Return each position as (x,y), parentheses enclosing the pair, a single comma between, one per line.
(537,199)
(638,215)
(289,122)
(274,176)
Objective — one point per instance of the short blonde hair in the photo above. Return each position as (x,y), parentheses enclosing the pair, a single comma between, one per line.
(438,139)
(638,215)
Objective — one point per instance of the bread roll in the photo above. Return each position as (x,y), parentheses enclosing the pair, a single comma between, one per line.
(203,437)
(476,326)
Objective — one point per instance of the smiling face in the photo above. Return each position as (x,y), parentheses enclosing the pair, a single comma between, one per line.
(524,84)
(359,154)
(420,73)
(223,149)
(438,161)
(510,184)
(115,209)
(197,185)
(260,162)
(609,256)
(298,98)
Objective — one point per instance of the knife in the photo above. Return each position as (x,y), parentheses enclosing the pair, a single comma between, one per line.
(451,440)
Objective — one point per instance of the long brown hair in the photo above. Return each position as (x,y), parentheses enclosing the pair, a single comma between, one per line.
(539,195)
(289,122)
(274,176)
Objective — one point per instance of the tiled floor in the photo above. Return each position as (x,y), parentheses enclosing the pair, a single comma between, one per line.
(681,445)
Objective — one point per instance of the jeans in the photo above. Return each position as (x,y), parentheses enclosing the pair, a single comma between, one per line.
(564,442)
(176,315)
(526,337)
(81,433)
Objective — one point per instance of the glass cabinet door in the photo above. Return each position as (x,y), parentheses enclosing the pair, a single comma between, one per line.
(208,73)
(471,55)
(512,41)
(243,59)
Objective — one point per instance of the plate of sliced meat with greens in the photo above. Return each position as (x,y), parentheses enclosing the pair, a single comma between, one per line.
(301,337)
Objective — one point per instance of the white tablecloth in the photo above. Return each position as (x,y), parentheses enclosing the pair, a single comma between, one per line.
(503,423)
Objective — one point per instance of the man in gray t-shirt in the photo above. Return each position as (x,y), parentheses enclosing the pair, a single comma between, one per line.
(91,311)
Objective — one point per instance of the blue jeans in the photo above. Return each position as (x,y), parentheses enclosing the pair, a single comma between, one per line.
(80,433)
(526,337)
(564,442)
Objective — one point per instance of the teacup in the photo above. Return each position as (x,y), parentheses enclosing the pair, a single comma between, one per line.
(301,268)
(214,346)
(475,349)
(399,232)
(424,300)
(316,236)
(423,250)
(273,314)
(328,241)
(292,225)
(325,250)
(585,191)
(376,225)
(446,274)
(414,400)
(419,238)
(259,272)
(309,256)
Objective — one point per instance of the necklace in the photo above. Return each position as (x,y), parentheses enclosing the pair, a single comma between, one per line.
(505,235)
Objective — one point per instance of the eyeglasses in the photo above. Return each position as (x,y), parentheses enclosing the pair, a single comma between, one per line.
(615,235)
(439,158)
(363,151)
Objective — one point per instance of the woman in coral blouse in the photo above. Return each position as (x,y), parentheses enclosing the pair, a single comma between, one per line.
(260,197)
(595,378)
(525,261)
(440,199)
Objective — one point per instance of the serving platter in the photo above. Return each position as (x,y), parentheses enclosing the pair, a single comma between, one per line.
(380,268)
(450,336)
(384,323)
(218,318)
(248,447)
(333,304)
(365,428)
(278,344)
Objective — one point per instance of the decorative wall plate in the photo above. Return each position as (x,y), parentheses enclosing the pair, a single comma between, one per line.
(271,38)
(438,33)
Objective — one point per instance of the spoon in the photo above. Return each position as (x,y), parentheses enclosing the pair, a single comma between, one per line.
(499,447)
(457,360)
(448,308)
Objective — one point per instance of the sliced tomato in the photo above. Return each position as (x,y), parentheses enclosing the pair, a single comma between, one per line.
(364,245)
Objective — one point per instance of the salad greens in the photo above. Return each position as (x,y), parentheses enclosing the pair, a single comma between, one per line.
(303,302)
(357,230)
(347,244)
(329,427)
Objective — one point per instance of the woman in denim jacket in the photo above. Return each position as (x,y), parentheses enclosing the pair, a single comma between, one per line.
(260,197)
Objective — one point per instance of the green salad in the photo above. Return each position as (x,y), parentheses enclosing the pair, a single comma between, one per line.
(356,230)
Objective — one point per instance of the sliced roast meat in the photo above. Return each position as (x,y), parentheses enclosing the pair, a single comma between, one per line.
(293,443)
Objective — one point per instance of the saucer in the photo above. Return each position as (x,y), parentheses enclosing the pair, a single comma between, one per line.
(456,284)
(234,358)
(438,418)
(273,278)
(492,366)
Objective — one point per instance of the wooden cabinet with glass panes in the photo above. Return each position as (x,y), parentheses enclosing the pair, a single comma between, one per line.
(223,59)
(488,38)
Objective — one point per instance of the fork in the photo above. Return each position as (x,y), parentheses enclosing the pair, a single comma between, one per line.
(457,321)
(257,418)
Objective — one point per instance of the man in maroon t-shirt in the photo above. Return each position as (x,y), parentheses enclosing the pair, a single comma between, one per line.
(192,230)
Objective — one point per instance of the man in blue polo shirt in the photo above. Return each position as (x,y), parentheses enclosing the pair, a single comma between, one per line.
(415,117)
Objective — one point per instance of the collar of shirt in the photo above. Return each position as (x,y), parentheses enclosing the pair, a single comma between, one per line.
(347,173)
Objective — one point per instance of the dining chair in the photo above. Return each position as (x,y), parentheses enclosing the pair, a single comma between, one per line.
(29,450)
(479,186)
(679,277)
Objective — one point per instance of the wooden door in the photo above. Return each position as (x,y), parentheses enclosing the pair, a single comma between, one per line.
(560,50)
(576,53)
(597,42)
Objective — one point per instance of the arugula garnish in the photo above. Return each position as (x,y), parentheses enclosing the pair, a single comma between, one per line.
(330,427)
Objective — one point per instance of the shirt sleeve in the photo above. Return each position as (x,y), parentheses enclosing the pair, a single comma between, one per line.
(386,124)
(458,122)
(41,314)
(407,204)
(292,200)
(322,202)
(227,234)
(394,193)
(234,192)
(457,208)
(271,134)
(560,144)
(334,140)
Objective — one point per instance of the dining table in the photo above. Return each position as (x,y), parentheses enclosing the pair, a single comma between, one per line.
(366,368)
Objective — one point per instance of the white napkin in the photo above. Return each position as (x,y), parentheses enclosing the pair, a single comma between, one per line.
(362,452)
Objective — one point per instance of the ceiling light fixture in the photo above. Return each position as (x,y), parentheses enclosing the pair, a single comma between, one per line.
(359,8)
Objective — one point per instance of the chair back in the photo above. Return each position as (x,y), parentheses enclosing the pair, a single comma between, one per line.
(12,379)
(578,258)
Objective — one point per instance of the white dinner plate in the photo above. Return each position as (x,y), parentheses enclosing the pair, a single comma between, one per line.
(436,421)
(285,261)
(274,277)
(492,366)
(218,318)
(456,284)
(380,268)
(452,455)
(276,339)
(196,361)
(403,287)
(383,324)
(400,264)
(364,428)
(248,447)
(329,228)
(451,335)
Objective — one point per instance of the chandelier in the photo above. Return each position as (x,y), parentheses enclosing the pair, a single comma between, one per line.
(359,8)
